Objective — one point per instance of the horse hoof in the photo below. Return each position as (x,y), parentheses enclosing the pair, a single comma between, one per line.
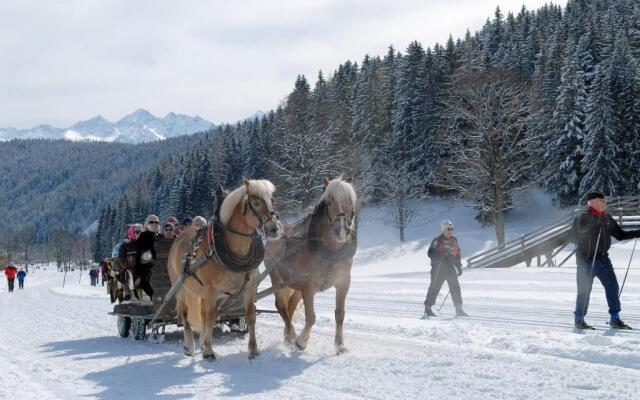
(187,351)
(209,357)
(340,349)
(253,356)
(300,346)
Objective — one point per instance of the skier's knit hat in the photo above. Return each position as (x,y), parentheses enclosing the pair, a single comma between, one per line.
(595,195)
(446,224)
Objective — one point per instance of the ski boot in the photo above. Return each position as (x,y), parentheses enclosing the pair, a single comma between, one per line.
(460,312)
(581,324)
(428,312)
(618,324)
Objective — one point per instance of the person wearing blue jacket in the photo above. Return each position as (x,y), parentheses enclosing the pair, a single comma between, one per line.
(21,275)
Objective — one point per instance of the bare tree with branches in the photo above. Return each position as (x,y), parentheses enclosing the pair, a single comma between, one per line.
(492,139)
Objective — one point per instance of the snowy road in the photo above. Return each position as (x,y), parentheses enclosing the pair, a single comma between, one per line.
(59,343)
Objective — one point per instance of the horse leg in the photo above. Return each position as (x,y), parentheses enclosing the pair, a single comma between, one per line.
(250,317)
(188,344)
(208,315)
(309,318)
(293,303)
(295,298)
(282,298)
(341,296)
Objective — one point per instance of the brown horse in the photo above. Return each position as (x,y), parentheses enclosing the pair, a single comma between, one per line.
(244,212)
(316,254)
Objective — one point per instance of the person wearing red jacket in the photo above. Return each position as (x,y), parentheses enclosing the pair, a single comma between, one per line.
(10,272)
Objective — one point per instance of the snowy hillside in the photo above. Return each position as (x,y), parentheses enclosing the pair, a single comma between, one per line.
(137,127)
(59,342)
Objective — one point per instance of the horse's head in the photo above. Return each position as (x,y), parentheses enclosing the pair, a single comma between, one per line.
(258,208)
(340,199)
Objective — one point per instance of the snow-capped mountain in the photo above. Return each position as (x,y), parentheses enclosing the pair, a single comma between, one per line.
(137,127)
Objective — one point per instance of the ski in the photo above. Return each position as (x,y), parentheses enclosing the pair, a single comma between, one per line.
(580,331)
(623,327)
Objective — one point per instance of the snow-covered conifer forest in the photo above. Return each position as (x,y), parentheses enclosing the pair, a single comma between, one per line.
(500,131)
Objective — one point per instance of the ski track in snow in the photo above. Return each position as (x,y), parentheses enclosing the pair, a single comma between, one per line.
(59,343)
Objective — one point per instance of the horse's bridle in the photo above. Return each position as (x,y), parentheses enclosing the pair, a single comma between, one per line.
(338,217)
(270,216)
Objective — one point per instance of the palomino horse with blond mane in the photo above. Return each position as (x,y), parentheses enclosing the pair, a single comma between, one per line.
(316,254)
(227,261)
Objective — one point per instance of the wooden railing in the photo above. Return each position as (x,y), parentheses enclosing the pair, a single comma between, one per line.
(549,240)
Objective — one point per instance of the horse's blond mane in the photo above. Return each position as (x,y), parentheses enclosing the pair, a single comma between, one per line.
(261,188)
(341,192)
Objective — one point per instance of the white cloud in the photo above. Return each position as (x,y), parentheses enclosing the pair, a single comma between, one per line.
(71,60)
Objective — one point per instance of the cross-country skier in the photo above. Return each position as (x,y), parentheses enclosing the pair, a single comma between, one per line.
(21,275)
(444,253)
(591,232)
(10,272)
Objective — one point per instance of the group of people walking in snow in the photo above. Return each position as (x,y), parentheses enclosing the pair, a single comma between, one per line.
(12,273)
(591,232)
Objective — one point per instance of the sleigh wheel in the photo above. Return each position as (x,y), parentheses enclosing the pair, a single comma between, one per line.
(124,325)
(139,327)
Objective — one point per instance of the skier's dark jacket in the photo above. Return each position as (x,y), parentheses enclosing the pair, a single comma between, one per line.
(445,253)
(585,229)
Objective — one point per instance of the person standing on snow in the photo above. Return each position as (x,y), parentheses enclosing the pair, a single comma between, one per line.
(10,272)
(591,231)
(444,253)
(21,275)
(93,275)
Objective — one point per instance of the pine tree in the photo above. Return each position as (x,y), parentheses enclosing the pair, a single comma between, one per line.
(409,113)
(565,153)
(98,252)
(621,89)
(601,171)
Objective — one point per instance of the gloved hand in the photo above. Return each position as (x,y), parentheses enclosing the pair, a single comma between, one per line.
(459,269)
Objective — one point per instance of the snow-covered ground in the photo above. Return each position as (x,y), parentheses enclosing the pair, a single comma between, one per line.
(59,343)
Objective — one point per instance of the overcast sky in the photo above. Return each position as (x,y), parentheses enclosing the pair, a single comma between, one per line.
(64,61)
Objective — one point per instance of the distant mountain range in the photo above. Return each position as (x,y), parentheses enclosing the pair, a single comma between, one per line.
(137,127)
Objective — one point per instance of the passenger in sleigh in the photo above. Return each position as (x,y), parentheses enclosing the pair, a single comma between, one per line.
(137,256)
(120,263)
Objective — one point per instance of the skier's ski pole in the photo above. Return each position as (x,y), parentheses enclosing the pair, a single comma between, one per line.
(629,265)
(445,299)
